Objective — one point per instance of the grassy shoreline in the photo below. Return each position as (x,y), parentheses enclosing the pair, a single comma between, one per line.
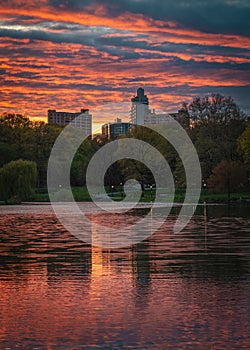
(81,195)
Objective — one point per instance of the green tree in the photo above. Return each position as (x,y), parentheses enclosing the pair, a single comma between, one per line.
(217,123)
(17,179)
(81,160)
(21,138)
(14,135)
(39,145)
(244,144)
(227,177)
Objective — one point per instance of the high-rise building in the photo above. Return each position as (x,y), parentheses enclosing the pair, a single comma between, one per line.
(141,114)
(84,120)
(112,131)
(139,107)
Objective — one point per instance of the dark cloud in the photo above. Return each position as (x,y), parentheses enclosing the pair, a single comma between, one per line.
(216,16)
(26,75)
(71,4)
(47,36)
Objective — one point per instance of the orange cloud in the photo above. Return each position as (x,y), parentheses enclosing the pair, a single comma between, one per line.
(38,75)
(138,23)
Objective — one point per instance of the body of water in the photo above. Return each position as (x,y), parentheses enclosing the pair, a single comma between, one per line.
(172,291)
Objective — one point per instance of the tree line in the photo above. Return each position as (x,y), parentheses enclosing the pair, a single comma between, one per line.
(219,130)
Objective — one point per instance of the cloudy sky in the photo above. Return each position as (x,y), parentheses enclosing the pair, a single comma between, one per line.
(74,54)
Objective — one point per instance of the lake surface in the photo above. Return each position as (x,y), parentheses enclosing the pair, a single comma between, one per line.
(173,291)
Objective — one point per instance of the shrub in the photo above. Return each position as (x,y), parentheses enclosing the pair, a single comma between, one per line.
(227,177)
(17,180)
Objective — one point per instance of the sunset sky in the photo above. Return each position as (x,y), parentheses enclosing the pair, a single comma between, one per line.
(70,54)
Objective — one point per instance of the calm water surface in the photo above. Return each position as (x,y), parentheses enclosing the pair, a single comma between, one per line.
(173,291)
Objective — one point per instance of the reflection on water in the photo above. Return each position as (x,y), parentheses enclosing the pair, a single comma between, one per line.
(184,291)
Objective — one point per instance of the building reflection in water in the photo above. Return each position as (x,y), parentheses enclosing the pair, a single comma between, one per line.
(100,260)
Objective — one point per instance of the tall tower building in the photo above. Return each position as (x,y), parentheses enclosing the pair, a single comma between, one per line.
(139,107)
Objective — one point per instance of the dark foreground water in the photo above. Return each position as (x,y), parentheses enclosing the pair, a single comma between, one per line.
(174,291)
